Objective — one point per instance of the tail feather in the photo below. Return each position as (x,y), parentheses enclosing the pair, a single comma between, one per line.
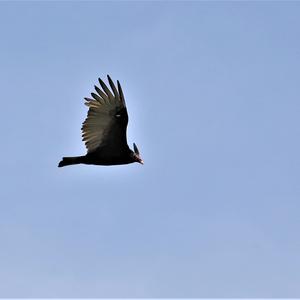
(66,161)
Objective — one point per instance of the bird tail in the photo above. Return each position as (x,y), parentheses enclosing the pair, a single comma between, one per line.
(66,161)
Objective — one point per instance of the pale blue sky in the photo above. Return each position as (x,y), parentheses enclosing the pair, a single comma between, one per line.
(213,94)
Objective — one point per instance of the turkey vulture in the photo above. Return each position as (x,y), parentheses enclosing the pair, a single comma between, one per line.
(104,130)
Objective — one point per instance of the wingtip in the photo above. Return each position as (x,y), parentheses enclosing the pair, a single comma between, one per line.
(111,83)
(121,92)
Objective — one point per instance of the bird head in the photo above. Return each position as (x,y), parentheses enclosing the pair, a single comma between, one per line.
(136,155)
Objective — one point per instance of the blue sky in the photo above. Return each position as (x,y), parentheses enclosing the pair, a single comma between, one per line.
(212,90)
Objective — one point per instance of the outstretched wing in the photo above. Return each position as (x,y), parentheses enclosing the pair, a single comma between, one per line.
(107,119)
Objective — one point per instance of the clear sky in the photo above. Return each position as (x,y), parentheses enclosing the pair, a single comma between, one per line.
(213,95)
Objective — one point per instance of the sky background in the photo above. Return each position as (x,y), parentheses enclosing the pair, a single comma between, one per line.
(213,95)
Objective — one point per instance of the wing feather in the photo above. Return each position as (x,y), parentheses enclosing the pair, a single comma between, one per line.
(121,93)
(106,90)
(112,85)
(107,119)
(96,97)
(101,94)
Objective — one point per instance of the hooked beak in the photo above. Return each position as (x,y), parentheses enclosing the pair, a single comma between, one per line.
(141,161)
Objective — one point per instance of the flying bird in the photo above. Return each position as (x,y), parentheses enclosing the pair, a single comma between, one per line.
(104,130)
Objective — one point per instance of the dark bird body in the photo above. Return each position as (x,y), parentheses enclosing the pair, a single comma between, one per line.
(104,130)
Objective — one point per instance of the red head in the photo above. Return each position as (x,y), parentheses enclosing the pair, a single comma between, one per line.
(136,155)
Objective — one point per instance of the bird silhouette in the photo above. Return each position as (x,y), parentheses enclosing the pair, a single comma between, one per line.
(104,130)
